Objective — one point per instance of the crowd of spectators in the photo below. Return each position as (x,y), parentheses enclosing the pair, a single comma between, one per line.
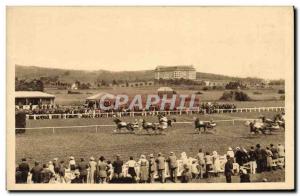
(150,169)
(45,111)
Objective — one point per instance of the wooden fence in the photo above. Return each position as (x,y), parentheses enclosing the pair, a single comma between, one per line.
(148,113)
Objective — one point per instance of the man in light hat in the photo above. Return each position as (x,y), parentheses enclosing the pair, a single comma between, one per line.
(72,163)
(252,160)
(152,167)
(117,167)
(160,161)
(230,153)
(172,161)
(92,168)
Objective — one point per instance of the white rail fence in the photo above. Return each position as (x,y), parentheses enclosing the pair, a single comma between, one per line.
(148,113)
(97,127)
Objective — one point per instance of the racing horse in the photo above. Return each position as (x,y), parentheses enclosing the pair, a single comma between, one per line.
(206,125)
(280,120)
(164,122)
(262,125)
(120,125)
(149,125)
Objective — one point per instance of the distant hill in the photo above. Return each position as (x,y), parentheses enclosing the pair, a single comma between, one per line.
(69,76)
(31,72)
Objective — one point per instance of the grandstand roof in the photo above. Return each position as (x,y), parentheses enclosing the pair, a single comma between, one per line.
(99,95)
(32,94)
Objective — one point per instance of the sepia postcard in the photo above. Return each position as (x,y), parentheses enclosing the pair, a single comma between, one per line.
(155,98)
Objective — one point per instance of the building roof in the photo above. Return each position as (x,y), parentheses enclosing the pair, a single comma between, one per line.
(175,68)
(99,95)
(32,94)
(165,89)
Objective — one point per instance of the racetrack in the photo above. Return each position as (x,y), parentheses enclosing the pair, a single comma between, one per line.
(85,142)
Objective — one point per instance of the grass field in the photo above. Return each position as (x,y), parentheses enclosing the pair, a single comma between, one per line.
(85,142)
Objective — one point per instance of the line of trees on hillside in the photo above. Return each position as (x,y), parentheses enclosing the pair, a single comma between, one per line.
(31,85)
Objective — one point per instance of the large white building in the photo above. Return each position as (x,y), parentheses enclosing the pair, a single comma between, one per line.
(175,72)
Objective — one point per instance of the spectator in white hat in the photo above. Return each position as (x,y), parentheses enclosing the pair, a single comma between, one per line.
(144,171)
(72,163)
(92,170)
(230,153)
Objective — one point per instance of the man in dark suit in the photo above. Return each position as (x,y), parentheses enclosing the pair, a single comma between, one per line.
(46,174)
(117,165)
(259,158)
(160,161)
(24,169)
(82,167)
(36,172)
(228,169)
(152,168)
(172,161)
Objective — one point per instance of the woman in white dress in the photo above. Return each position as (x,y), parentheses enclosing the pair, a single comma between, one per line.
(92,169)
(216,163)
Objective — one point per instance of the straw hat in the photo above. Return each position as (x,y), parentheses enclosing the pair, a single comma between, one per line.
(71,158)
(151,155)
(92,159)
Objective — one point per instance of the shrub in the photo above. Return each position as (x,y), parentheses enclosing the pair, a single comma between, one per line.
(235,96)
(282,97)
(227,96)
(205,88)
(281,91)
(199,93)
(241,96)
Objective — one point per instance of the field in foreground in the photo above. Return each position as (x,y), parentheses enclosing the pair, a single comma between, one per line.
(85,142)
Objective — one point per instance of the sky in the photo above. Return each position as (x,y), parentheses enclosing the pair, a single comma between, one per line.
(240,41)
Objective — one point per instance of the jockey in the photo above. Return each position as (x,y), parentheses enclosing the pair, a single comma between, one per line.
(136,123)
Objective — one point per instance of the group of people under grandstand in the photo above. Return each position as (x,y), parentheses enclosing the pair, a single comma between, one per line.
(72,111)
(149,169)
